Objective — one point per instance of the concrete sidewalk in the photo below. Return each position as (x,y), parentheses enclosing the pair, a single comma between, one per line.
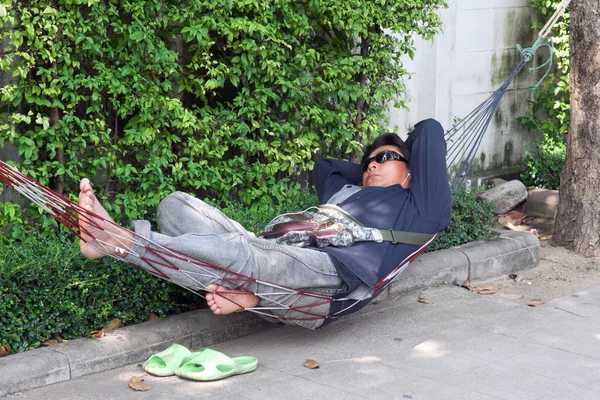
(352,352)
(464,346)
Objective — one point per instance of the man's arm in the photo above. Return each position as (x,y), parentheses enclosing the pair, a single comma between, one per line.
(331,175)
(429,177)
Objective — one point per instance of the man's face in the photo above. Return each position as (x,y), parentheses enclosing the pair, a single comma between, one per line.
(389,173)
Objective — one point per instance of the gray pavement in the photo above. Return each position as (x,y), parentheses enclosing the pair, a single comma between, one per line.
(393,347)
(464,346)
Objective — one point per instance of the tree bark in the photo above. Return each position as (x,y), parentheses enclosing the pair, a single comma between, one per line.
(59,181)
(578,219)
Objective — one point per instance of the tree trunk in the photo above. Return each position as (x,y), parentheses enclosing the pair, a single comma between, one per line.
(59,181)
(578,219)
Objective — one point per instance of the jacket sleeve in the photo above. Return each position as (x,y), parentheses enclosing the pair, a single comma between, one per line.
(429,178)
(331,175)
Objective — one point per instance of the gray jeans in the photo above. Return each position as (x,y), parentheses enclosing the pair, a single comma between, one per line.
(192,228)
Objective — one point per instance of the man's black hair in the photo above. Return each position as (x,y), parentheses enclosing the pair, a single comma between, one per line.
(385,140)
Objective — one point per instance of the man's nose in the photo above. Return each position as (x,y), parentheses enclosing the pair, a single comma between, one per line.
(373,165)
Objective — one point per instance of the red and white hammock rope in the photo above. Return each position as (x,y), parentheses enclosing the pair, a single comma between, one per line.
(157,258)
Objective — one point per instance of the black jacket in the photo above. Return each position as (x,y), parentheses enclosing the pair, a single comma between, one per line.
(424,207)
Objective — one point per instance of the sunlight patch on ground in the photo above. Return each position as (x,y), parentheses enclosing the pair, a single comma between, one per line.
(430,349)
(366,360)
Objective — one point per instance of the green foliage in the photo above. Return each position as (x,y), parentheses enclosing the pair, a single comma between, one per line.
(472,220)
(545,164)
(549,112)
(47,287)
(229,99)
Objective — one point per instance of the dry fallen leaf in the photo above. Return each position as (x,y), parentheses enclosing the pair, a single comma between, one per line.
(487,291)
(48,342)
(113,324)
(466,284)
(3,351)
(139,386)
(152,317)
(426,300)
(312,364)
(535,302)
(483,286)
(513,276)
(98,334)
(516,216)
(136,379)
(507,222)
(58,338)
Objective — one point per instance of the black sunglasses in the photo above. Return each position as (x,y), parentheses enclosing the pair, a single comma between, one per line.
(383,157)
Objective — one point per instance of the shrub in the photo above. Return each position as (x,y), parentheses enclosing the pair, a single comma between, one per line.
(227,99)
(545,164)
(47,287)
(472,220)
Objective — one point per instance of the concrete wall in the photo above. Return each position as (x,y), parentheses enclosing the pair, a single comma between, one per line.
(474,55)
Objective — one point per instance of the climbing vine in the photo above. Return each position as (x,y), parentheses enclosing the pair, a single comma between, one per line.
(549,112)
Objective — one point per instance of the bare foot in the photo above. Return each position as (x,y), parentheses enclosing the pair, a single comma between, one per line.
(227,301)
(99,234)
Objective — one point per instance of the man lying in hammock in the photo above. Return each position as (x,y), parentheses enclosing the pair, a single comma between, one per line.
(398,186)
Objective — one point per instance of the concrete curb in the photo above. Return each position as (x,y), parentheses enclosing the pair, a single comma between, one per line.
(511,252)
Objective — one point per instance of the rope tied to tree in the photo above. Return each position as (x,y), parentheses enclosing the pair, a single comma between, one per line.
(543,40)
(465,136)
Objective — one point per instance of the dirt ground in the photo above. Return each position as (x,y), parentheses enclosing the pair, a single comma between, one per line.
(560,272)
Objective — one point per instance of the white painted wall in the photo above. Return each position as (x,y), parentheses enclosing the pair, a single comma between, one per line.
(465,64)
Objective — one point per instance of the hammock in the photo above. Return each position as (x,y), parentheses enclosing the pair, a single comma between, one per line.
(463,142)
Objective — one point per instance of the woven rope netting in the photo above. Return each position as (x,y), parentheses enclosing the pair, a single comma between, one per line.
(463,141)
(110,239)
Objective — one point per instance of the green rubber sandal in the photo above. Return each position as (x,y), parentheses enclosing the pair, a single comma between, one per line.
(168,361)
(210,365)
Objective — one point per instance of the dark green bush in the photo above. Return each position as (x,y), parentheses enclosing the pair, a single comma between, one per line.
(545,164)
(47,287)
(472,220)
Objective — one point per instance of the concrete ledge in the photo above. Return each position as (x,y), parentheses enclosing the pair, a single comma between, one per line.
(32,369)
(511,252)
(123,346)
(128,345)
(440,267)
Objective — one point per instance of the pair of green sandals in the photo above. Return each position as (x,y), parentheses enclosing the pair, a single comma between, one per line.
(205,365)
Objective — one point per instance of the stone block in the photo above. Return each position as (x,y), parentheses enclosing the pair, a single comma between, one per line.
(506,196)
(542,203)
